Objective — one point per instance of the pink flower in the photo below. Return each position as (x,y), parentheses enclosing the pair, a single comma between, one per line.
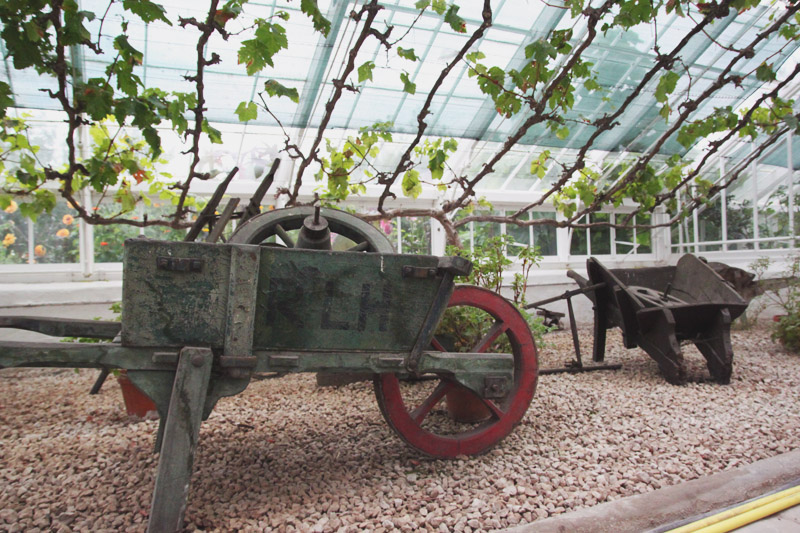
(386,226)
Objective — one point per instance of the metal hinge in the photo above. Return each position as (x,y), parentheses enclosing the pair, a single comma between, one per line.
(179,264)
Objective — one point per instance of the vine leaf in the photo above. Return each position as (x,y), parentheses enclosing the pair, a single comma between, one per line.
(321,24)
(765,73)
(146,10)
(247,111)
(365,71)
(411,185)
(256,53)
(407,53)
(455,22)
(666,85)
(275,88)
(408,86)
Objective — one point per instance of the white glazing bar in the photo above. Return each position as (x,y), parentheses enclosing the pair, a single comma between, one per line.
(31,245)
(438,238)
(86,240)
(790,186)
(696,228)
(613,236)
(399,235)
(723,199)
(754,177)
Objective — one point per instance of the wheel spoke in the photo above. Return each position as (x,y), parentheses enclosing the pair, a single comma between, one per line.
(419,414)
(494,408)
(360,247)
(497,329)
(284,235)
(437,345)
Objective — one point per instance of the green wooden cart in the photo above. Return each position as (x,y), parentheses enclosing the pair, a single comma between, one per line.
(200,319)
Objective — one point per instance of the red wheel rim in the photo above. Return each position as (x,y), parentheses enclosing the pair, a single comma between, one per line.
(407,420)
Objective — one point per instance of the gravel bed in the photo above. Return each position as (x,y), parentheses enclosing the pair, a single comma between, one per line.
(286,455)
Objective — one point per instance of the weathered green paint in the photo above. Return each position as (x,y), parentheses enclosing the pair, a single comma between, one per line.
(180,440)
(241,301)
(58,354)
(306,299)
(318,300)
(166,308)
(63,327)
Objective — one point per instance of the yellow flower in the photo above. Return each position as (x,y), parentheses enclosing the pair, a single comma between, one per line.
(67,220)
(39,251)
(63,232)
(12,207)
(9,239)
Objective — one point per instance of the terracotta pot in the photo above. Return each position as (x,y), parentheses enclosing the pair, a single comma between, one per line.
(465,407)
(137,403)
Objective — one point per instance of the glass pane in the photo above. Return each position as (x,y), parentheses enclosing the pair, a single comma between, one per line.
(416,235)
(643,236)
(485,230)
(773,216)
(464,232)
(544,236)
(709,224)
(601,236)
(624,236)
(739,209)
(578,241)
(161,211)
(14,233)
(796,203)
(56,236)
(520,235)
(109,240)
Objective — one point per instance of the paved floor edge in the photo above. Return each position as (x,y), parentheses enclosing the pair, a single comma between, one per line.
(643,512)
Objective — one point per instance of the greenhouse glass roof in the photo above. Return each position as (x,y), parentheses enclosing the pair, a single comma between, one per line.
(460,109)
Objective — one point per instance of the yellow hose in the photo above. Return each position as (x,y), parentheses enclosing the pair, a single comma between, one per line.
(744,514)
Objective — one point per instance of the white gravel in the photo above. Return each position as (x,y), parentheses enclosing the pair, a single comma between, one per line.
(286,455)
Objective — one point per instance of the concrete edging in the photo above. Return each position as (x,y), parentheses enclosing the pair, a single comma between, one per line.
(35,294)
(669,505)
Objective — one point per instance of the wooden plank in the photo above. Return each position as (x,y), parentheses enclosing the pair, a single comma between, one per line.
(172,307)
(222,221)
(63,327)
(208,211)
(306,300)
(180,440)
(241,300)
(318,300)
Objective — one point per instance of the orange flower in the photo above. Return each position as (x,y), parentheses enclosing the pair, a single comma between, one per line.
(63,232)
(12,207)
(104,243)
(9,240)
(67,220)
(39,251)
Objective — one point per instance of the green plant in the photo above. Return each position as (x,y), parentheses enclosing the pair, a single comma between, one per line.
(463,327)
(117,123)
(116,308)
(785,293)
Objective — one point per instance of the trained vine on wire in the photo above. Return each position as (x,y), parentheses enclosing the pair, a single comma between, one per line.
(115,123)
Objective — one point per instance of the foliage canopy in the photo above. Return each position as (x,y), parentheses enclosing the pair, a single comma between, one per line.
(125,119)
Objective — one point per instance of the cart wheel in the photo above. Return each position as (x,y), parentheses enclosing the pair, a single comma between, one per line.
(282,225)
(410,408)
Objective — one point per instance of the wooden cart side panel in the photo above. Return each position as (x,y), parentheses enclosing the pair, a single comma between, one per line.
(171,307)
(316,300)
(306,299)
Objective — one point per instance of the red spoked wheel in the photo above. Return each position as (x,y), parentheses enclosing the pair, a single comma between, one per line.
(415,410)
